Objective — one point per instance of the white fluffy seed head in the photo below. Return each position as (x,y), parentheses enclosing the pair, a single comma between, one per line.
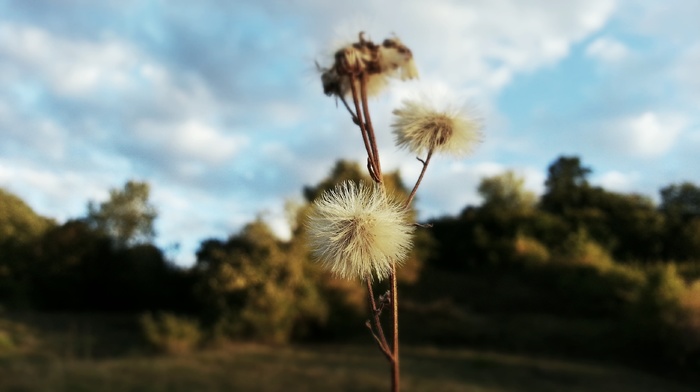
(357,231)
(419,128)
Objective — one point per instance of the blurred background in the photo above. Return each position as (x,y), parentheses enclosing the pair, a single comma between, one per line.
(158,159)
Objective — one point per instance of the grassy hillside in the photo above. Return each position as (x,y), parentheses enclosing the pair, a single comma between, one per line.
(318,368)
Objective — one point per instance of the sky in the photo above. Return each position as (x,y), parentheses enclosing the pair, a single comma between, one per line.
(218,105)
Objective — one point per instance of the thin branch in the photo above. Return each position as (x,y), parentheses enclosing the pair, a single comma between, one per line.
(355,119)
(375,316)
(420,177)
(383,349)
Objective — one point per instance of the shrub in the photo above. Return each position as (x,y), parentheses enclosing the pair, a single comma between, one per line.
(171,334)
(658,317)
(15,336)
(580,249)
(530,251)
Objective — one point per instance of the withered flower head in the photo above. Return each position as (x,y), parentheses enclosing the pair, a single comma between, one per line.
(366,59)
(357,231)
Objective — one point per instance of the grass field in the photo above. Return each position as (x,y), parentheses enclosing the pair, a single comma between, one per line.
(319,368)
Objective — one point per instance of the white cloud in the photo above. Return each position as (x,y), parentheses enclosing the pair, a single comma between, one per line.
(617,181)
(480,44)
(57,194)
(649,134)
(71,67)
(191,140)
(607,49)
(182,111)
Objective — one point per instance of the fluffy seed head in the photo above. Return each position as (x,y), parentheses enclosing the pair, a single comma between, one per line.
(419,128)
(356,231)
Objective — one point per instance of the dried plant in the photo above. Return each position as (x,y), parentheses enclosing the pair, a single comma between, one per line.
(358,231)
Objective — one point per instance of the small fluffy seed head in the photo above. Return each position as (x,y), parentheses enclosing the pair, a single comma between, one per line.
(357,231)
(419,128)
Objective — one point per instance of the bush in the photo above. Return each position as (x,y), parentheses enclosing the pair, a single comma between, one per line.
(171,334)
(530,251)
(580,249)
(661,317)
(15,336)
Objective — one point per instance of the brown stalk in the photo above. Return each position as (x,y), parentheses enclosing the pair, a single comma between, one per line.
(395,331)
(420,177)
(376,175)
(368,125)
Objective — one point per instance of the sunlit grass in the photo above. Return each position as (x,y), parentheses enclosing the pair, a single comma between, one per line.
(346,368)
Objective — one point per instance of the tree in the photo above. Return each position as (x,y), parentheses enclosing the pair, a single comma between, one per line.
(566,185)
(18,221)
(20,227)
(681,200)
(127,217)
(506,192)
(253,285)
(680,205)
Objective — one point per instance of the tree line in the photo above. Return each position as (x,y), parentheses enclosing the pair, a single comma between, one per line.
(579,250)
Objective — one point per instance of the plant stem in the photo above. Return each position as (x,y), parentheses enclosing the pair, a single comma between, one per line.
(420,177)
(369,127)
(395,331)
(361,124)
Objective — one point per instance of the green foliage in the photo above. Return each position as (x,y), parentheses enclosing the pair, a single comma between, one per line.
(530,251)
(658,316)
(20,227)
(169,333)
(255,286)
(681,200)
(127,217)
(18,222)
(580,249)
(579,271)
(506,192)
(565,185)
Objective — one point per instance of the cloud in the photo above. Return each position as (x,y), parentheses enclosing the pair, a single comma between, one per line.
(57,194)
(212,103)
(192,140)
(648,134)
(617,181)
(70,67)
(607,50)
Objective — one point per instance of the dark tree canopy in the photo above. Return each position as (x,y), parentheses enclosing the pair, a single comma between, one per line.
(681,200)
(566,184)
